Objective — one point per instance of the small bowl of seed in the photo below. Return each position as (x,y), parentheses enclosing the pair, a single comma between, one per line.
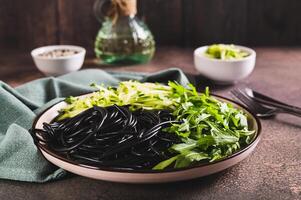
(57,60)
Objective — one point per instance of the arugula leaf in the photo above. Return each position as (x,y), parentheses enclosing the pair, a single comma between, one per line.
(188,157)
(184,146)
(165,163)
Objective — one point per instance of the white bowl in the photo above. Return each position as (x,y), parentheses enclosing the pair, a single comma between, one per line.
(224,71)
(59,65)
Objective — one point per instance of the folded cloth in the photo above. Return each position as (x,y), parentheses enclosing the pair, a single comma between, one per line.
(19,157)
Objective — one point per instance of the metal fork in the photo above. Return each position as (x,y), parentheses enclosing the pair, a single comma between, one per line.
(256,108)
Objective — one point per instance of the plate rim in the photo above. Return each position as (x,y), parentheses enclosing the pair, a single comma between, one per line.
(149,171)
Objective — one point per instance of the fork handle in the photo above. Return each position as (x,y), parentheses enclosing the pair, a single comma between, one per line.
(284,107)
(261,97)
(292,113)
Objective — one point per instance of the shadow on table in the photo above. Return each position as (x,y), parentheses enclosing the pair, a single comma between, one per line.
(174,191)
(202,82)
(288,120)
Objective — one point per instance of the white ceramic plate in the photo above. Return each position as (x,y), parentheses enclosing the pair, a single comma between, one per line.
(145,176)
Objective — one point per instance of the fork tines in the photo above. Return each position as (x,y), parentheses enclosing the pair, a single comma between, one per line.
(247,101)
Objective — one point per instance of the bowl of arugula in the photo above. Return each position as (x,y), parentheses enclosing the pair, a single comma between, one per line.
(146,133)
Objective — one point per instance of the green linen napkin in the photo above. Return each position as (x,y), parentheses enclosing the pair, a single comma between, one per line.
(19,157)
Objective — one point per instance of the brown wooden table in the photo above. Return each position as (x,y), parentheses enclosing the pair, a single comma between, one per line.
(273,171)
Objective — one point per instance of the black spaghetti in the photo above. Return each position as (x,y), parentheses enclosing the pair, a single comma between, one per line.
(111,137)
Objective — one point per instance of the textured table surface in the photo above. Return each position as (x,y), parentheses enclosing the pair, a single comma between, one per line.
(273,171)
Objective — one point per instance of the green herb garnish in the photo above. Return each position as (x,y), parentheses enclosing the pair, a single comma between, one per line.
(225,52)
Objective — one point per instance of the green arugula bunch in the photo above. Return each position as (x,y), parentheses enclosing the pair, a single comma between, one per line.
(210,129)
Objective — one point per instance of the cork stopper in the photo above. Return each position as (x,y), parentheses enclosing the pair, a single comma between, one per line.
(122,8)
(126,7)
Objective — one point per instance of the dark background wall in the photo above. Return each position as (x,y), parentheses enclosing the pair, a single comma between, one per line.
(25,24)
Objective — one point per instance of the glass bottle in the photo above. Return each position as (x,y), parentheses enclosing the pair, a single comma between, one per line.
(123,38)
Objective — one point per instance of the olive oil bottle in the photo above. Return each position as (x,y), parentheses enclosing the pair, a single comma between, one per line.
(123,38)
